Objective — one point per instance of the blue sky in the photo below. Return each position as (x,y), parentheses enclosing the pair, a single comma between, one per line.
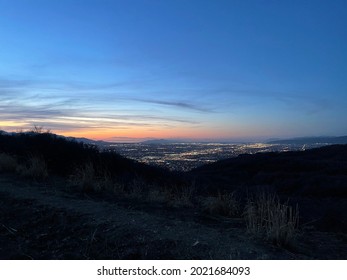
(206,69)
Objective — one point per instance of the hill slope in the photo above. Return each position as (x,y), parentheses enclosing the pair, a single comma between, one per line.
(312,140)
(62,199)
(320,172)
(49,221)
(315,180)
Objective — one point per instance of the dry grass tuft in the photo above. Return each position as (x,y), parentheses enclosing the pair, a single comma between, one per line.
(182,196)
(158,195)
(104,182)
(88,179)
(265,216)
(35,168)
(118,188)
(7,162)
(222,204)
(84,178)
(136,189)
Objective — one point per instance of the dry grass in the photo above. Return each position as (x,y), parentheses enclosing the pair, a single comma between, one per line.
(118,188)
(182,196)
(35,168)
(156,194)
(136,189)
(7,162)
(265,216)
(84,178)
(222,204)
(104,183)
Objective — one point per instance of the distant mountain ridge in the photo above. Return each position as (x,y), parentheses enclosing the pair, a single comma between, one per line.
(312,140)
(298,140)
(157,142)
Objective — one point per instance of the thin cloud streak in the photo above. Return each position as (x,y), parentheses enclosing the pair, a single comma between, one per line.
(28,102)
(70,114)
(73,105)
(20,112)
(309,104)
(178,104)
(20,90)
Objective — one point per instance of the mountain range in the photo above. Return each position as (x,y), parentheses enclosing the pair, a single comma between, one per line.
(312,140)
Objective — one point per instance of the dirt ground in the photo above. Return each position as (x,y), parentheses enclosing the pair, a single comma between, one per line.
(50,221)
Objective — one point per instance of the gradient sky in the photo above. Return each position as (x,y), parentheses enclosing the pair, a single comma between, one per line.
(204,69)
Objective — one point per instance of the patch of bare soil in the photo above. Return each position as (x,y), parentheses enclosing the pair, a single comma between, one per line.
(49,221)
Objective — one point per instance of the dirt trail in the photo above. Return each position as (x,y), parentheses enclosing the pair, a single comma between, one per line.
(44,221)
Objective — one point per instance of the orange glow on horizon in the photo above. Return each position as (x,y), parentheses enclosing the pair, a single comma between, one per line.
(137,133)
(133,134)
(143,133)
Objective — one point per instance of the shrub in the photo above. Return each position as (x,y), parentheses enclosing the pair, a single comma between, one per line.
(118,188)
(7,162)
(265,216)
(60,154)
(156,194)
(222,204)
(34,168)
(182,195)
(136,188)
(84,177)
(104,182)
(39,130)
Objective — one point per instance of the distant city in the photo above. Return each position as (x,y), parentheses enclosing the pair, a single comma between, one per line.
(186,156)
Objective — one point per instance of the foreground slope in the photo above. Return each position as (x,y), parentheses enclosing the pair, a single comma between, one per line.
(61,199)
(315,179)
(48,221)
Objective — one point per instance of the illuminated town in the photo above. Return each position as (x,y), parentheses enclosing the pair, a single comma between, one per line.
(186,156)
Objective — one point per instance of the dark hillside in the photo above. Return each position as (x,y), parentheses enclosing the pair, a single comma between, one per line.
(316,172)
(314,179)
(312,140)
(62,199)
(62,156)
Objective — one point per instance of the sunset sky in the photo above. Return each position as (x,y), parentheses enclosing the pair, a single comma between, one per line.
(198,69)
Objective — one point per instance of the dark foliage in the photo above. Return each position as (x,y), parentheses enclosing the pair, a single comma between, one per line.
(316,180)
(318,172)
(63,156)
(59,153)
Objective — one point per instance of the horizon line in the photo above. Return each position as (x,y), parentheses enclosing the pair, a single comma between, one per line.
(124,139)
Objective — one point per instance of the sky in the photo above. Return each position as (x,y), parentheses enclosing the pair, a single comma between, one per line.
(185,69)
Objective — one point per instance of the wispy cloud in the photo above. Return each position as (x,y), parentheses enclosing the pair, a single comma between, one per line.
(63,118)
(175,103)
(305,103)
(13,83)
(27,103)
